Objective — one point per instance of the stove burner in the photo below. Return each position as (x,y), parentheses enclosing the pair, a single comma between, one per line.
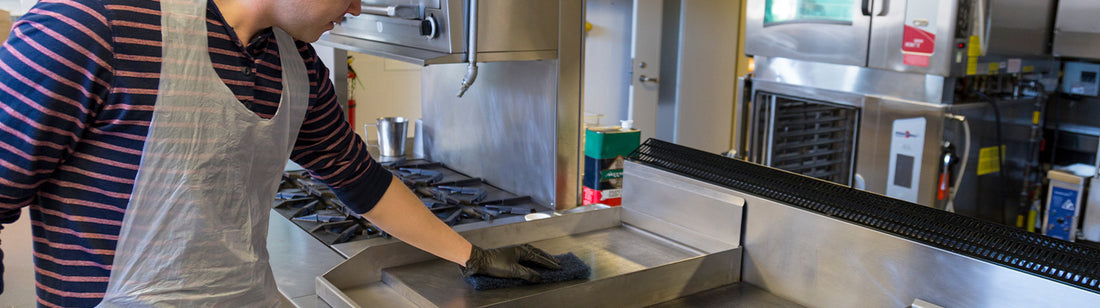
(419,177)
(453,197)
(478,193)
(323,216)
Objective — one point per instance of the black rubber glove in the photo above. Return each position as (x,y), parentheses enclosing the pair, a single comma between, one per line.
(504,262)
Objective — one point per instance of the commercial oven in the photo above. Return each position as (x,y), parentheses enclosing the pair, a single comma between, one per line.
(875,142)
(888,132)
(939,37)
(870,94)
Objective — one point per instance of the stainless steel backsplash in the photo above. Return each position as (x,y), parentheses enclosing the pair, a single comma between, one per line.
(502,130)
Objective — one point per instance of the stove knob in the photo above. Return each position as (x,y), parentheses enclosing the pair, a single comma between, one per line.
(429,27)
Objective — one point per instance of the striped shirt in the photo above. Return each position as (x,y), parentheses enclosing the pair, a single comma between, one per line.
(78,82)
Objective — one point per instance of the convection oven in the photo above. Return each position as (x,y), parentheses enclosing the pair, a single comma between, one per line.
(939,37)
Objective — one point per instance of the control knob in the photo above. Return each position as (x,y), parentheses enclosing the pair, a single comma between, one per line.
(429,27)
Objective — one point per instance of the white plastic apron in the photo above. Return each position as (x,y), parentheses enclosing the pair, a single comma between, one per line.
(195,230)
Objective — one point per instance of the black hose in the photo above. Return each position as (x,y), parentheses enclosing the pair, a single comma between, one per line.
(1000,144)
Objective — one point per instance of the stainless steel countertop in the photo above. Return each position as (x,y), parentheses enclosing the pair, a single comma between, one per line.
(297,258)
(610,253)
(735,295)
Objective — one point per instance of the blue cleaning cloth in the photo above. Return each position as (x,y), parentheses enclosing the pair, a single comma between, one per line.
(571,268)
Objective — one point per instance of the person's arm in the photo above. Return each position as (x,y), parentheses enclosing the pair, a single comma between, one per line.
(332,152)
(329,148)
(55,69)
(404,216)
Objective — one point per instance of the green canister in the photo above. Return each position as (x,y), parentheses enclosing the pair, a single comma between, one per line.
(605,148)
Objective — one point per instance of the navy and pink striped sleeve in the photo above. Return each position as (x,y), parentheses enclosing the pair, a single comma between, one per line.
(54,75)
(329,148)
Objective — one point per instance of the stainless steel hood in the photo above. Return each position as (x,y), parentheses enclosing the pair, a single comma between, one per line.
(428,32)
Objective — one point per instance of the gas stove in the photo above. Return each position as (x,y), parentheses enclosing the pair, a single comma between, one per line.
(461,201)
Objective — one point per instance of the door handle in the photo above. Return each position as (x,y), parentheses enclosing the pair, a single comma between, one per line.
(866,6)
(885,8)
(644,79)
(399,11)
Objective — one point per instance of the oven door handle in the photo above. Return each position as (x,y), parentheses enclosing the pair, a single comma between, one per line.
(866,6)
(399,11)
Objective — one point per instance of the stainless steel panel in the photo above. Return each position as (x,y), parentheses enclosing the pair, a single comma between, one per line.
(774,72)
(520,25)
(296,257)
(518,127)
(980,196)
(1076,33)
(425,57)
(819,261)
(1017,28)
(620,254)
(693,248)
(1076,44)
(666,203)
(1021,27)
(876,133)
(310,301)
(503,130)
(735,295)
(567,156)
(810,41)
(624,255)
(887,35)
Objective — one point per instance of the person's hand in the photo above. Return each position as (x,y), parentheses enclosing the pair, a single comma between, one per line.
(504,262)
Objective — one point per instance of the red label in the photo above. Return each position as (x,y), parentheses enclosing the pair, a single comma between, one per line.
(917,46)
(915,59)
(918,41)
(591,196)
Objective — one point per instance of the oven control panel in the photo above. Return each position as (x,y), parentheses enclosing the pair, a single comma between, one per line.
(906,153)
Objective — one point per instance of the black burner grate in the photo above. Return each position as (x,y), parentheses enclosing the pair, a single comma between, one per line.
(1059,260)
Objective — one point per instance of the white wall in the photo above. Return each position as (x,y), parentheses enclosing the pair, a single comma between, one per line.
(388,88)
(607,59)
(15,241)
(17,7)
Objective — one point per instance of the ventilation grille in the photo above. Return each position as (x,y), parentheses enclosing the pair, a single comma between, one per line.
(1055,259)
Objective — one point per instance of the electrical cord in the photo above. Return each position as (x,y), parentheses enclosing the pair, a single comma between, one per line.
(962,167)
(1000,141)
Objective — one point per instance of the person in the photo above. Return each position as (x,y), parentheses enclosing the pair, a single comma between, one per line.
(148,139)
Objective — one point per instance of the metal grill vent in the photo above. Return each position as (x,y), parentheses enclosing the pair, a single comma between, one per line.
(1055,259)
(811,138)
